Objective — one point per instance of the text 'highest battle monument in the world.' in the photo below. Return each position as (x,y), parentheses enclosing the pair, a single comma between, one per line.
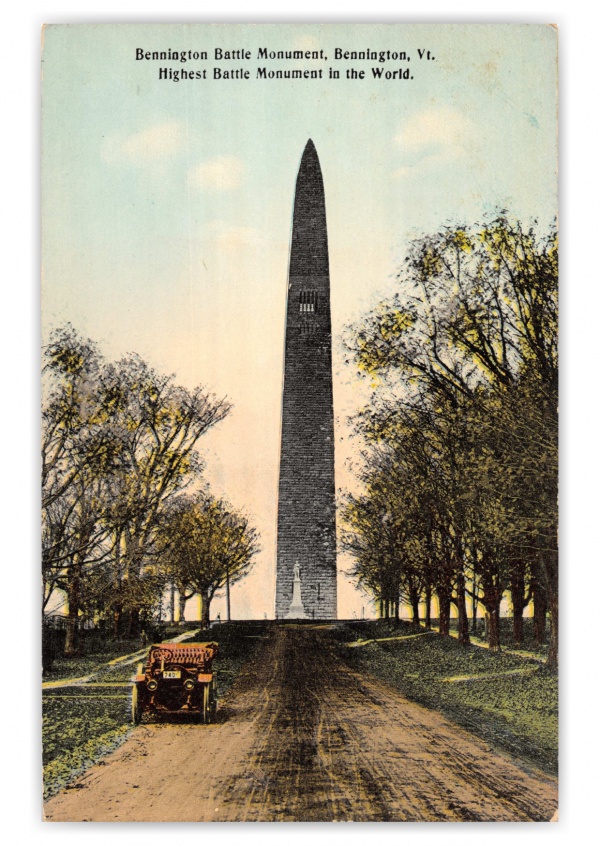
(306,541)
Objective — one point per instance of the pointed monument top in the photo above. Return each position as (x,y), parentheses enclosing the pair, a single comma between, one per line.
(309,254)
(309,155)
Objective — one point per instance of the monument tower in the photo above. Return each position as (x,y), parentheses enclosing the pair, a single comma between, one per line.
(306,545)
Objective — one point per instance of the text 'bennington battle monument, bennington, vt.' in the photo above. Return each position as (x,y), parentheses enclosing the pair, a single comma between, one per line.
(306,536)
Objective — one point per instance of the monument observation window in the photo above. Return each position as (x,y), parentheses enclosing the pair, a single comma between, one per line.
(308,301)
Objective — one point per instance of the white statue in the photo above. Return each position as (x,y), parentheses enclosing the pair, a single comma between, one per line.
(296,611)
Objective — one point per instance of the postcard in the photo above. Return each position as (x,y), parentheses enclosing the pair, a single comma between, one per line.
(300,422)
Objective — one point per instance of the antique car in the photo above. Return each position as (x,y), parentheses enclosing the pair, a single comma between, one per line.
(177,679)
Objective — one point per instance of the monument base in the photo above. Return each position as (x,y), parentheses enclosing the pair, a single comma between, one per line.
(296,612)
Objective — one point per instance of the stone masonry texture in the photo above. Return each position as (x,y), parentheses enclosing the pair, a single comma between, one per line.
(306,511)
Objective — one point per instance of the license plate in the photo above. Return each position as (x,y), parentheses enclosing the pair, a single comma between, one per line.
(172,674)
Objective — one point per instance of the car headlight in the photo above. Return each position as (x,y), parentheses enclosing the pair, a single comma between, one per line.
(188,684)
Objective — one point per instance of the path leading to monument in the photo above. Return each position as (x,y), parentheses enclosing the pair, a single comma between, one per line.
(302,737)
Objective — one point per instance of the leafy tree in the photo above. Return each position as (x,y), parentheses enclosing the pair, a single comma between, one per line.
(118,444)
(157,427)
(208,546)
(468,346)
(77,452)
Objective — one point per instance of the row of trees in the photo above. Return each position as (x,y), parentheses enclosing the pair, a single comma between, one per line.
(460,465)
(118,459)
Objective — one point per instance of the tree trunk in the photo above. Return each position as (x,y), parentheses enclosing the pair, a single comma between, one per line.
(182,603)
(475,603)
(172,602)
(71,639)
(414,604)
(517,625)
(492,597)
(519,600)
(133,558)
(116,621)
(444,603)
(428,608)
(551,571)
(494,627)
(461,604)
(228,596)
(118,608)
(552,660)
(73,598)
(540,607)
(134,623)
(205,609)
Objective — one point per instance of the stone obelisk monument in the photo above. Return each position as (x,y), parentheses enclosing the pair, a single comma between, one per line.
(306,512)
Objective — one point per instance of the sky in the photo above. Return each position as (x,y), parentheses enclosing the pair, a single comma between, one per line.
(167,206)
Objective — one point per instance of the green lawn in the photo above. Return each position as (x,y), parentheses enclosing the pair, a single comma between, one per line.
(72,668)
(517,712)
(78,727)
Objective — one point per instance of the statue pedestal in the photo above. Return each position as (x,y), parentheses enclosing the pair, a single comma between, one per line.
(296,611)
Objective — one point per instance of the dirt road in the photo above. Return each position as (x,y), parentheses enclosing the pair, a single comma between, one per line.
(303,737)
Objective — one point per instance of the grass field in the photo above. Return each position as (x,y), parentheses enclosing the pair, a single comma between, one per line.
(508,700)
(81,723)
(72,668)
